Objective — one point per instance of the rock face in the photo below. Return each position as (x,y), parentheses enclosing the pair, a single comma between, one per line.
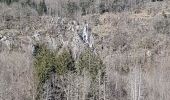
(85,34)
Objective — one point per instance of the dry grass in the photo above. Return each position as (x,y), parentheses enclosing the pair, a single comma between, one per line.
(16,74)
(134,47)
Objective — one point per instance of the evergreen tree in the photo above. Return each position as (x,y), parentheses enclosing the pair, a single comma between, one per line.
(42,8)
(8,2)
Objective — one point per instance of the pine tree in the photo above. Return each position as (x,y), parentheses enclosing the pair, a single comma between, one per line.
(42,8)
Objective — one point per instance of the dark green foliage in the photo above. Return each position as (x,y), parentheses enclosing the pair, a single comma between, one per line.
(36,50)
(46,62)
(72,8)
(103,8)
(64,62)
(84,5)
(28,2)
(42,8)
(8,2)
(90,62)
(43,64)
(33,5)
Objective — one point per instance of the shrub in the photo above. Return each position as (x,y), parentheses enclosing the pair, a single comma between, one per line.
(90,62)
(42,8)
(27,2)
(162,26)
(119,41)
(84,5)
(71,8)
(103,8)
(43,64)
(64,62)
(46,63)
(8,2)
(147,43)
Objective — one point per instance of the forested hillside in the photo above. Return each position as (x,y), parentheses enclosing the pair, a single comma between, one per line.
(84,50)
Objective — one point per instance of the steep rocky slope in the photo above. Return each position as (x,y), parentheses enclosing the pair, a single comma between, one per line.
(125,55)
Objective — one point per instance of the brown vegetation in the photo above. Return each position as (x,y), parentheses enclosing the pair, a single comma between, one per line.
(129,59)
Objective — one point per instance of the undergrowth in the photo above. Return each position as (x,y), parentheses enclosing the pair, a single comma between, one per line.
(46,61)
(90,62)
